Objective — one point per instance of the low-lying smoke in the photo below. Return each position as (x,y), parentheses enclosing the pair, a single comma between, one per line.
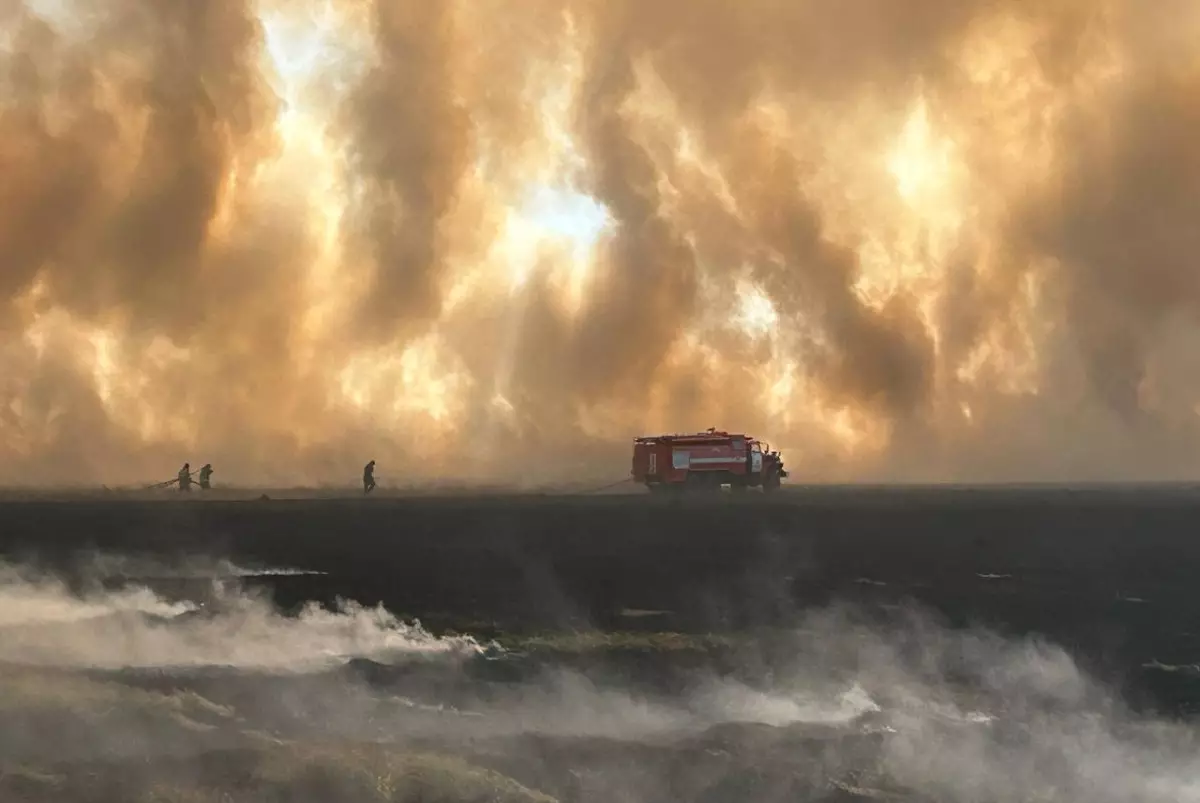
(46,625)
(909,710)
(951,240)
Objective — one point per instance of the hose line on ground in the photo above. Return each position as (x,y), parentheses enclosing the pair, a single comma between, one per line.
(604,487)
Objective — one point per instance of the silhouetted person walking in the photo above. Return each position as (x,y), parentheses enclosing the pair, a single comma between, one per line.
(206,476)
(369,477)
(185,478)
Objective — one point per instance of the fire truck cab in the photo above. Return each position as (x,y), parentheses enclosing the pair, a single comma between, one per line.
(705,461)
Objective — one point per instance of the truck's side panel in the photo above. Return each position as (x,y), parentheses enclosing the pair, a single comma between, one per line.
(672,459)
(705,460)
(714,457)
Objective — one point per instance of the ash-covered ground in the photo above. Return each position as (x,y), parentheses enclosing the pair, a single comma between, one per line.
(823,645)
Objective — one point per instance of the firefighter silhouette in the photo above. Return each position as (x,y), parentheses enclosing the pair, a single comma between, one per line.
(369,477)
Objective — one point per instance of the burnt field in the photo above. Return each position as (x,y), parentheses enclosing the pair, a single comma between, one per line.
(1111,572)
(819,644)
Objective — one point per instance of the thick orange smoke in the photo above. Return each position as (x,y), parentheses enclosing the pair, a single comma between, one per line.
(940,239)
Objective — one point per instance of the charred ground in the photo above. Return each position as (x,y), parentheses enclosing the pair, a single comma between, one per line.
(1108,573)
(825,644)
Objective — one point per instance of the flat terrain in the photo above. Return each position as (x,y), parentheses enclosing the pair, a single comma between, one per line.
(1111,573)
(1043,606)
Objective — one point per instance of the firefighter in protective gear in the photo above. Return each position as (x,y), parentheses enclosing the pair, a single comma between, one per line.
(185,478)
(205,476)
(369,477)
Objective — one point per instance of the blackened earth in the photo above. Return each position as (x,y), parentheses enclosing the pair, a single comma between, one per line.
(949,644)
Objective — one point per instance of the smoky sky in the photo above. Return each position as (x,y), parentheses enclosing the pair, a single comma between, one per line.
(177,284)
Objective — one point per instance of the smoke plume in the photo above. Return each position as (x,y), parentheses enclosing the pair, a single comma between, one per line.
(930,240)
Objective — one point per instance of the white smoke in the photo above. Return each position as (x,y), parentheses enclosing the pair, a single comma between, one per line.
(951,715)
(46,604)
(737,702)
(46,624)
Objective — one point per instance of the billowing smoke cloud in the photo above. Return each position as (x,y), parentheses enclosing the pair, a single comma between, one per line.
(949,240)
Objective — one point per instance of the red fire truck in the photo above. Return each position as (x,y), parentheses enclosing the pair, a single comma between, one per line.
(705,461)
